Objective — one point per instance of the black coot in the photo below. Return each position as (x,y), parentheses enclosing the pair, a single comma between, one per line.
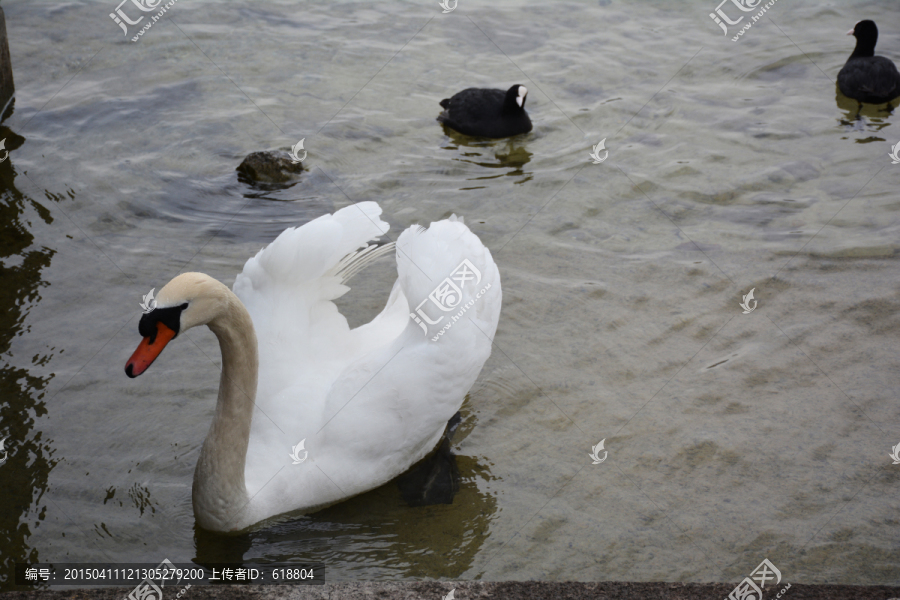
(866,77)
(487,113)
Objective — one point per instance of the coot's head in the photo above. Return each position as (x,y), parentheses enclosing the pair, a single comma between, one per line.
(515,98)
(866,34)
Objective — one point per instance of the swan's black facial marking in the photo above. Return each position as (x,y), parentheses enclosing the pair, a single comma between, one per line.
(170,317)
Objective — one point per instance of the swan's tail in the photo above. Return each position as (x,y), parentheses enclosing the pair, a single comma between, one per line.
(448,275)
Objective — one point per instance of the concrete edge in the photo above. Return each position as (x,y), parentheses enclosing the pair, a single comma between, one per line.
(472,590)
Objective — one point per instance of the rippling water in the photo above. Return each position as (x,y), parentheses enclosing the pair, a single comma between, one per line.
(732,165)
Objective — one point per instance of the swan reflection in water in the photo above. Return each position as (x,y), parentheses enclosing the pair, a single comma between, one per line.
(378,534)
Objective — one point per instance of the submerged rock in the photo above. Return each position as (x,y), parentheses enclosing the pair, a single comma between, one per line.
(269,166)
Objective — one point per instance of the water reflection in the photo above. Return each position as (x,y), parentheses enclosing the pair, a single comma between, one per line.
(509,154)
(376,534)
(435,478)
(29,461)
(864,117)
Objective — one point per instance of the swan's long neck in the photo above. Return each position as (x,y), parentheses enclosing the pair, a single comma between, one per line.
(220,494)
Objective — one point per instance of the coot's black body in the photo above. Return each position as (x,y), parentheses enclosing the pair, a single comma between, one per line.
(487,113)
(866,77)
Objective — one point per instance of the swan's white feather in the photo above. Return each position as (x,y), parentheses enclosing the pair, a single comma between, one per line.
(371,401)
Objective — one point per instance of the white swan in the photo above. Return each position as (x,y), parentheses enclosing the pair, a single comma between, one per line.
(367,402)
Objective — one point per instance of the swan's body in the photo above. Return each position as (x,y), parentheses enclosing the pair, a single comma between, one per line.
(369,402)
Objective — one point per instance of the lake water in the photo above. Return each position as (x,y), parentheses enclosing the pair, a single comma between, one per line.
(732,166)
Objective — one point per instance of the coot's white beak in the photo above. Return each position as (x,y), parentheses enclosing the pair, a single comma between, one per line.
(851,31)
(522,93)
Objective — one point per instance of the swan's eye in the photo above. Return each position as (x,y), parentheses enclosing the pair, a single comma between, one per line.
(170,317)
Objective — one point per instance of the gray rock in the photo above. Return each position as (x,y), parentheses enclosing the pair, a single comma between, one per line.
(268,166)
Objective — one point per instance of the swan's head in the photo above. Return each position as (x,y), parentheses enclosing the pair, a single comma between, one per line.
(189,300)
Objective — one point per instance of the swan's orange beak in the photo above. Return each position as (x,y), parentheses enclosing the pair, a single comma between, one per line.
(148,350)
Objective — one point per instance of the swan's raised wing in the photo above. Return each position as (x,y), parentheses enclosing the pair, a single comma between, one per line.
(389,407)
(288,289)
(446,272)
